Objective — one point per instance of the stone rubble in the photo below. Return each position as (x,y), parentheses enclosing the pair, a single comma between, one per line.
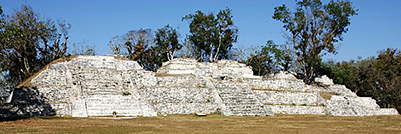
(324,80)
(106,85)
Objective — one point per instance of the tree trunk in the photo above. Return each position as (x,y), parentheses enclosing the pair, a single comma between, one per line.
(218,48)
(211,54)
(168,56)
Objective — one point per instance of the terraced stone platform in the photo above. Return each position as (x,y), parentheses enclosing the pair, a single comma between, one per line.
(105,85)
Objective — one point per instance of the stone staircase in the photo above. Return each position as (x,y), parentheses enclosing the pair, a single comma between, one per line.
(240,100)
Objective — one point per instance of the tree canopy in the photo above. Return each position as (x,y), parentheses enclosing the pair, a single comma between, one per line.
(28,43)
(212,35)
(314,28)
(269,59)
(167,40)
(149,51)
(378,77)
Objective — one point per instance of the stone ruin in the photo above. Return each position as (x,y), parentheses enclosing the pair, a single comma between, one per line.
(87,86)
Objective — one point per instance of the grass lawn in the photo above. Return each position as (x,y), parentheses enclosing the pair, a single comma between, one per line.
(209,124)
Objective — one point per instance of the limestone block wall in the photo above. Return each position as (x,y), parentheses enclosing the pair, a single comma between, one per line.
(173,100)
(227,68)
(356,106)
(56,94)
(285,94)
(293,109)
(291,102)
(340,90)
(101,85)
(142,78)
(71,87)
(281,84)
(231,69)
(187,81)
(180,66)
(107,105)
(55,74)
(287,98)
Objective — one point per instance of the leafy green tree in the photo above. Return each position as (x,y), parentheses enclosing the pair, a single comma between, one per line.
(141,46)
(314,28)
(133,44)
(388,67)
(167,40)
(28,43)
(154,58)
(268,60)
(378,77)
(1,15)
(344,73)
(284,58)
(212,35)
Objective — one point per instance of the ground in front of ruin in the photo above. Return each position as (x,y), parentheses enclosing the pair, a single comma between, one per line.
(208,124)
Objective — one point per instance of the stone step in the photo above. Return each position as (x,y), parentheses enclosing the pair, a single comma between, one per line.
(281,84)
(185,81)
(176,95)
(241,101)
(290,109)
(286,98)
(186,108)
(103,92)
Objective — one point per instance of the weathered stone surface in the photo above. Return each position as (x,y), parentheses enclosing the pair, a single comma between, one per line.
(240,100)
(102,85)
(283,75)
(324,80)
(106,105)
(286,98)
(293,109)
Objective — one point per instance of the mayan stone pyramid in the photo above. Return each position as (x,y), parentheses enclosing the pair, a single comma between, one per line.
(85,86)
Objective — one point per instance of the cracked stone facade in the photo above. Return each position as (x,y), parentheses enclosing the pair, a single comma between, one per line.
(105,85)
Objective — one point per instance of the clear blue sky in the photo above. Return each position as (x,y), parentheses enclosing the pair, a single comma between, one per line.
(377,26)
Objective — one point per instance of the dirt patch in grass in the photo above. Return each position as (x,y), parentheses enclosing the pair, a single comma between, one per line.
(209,124)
